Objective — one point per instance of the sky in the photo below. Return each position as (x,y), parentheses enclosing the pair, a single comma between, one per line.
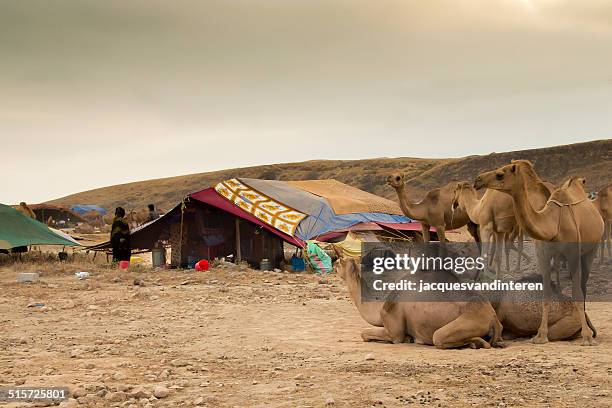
(96,93)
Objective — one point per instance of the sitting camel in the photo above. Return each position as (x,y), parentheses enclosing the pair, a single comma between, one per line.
(520,313)
(435,210)
(569,223)
(603,203)
(494,215)
(442,324)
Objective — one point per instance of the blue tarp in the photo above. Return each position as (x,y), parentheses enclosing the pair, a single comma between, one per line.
(321,217)
(85,208)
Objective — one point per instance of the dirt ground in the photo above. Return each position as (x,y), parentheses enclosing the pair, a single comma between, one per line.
(244,338)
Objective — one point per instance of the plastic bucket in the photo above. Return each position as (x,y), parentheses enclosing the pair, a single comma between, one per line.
(157,257)
(124,264)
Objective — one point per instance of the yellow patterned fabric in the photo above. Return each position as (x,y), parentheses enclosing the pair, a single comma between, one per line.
(264,208)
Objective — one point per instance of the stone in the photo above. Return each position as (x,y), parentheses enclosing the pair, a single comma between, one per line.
(140,392)
(118,396)
(369,357)
(330,401)
(79,392)
(161,392)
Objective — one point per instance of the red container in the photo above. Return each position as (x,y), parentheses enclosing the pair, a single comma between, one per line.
(124,264)
(202,265)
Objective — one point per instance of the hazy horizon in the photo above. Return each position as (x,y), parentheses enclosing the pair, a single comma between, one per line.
(104,93)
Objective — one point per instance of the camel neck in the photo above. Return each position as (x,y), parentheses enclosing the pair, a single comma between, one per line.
(410,209)
(472,205)
(369,311)
(540,225)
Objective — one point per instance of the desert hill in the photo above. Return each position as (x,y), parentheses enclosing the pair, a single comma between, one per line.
(592,160)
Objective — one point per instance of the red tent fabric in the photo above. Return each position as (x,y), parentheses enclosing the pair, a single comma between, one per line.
(211,197)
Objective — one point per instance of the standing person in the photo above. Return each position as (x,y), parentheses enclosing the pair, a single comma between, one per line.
(153,215)
(25,210)
(120,237)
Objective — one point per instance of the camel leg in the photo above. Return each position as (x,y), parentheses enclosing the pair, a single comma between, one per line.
(565,328)
(608,238)
(394,323)
(469,328)
(508,244)
(425,231)
(498,255)
(544,265)
(442,239)
(579,282)
(376,334)
(488,247)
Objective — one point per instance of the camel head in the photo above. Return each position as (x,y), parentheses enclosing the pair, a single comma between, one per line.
(505,178)
(396,180)
(348,269)
(457,201)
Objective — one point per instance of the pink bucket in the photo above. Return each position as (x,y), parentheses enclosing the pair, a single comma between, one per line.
(124,264)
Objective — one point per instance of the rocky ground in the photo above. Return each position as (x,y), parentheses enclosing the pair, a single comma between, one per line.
(243,338)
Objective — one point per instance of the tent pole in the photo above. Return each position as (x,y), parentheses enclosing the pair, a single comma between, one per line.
(238,253)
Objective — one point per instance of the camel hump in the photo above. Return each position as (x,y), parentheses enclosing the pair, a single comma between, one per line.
(433,196)
(570,192)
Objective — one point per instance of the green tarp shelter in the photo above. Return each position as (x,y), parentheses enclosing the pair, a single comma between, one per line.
(18,230)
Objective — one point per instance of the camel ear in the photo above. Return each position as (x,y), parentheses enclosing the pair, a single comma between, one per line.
(513,168)
(584,181)
(403,176)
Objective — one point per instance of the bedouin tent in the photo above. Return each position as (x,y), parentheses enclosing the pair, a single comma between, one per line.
(17,230)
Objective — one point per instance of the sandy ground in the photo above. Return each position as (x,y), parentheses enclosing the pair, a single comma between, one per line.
(243,338)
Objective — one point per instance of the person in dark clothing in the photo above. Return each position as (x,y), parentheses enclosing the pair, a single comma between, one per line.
(120,237)
(153,215)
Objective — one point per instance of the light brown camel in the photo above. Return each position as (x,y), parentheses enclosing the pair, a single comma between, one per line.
(494,215)
(442,324)
(568,223)
(520,313)
(435,210)
(603,203)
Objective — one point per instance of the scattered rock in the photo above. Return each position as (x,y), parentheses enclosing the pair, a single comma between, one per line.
(118,396)
(161,392)
(369,357)
(79,392)
(198,401)
(330,401)
(140,392)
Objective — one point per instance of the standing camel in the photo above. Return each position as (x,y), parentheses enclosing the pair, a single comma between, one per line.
(435,210)
(494,215)
(603,203)
(569,223)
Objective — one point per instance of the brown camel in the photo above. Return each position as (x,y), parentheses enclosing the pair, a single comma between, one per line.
(494,215)
(442,324)
(435,210)
(569,223)
(603,203)
(520,313)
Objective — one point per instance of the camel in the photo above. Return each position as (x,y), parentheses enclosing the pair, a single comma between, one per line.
(435,210)
(94,218)
(441,324)
(138,217)
(568,220)
(520,313)
(603,203)
(494,215)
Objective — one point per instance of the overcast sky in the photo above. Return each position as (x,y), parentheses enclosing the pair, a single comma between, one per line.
(94,93)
